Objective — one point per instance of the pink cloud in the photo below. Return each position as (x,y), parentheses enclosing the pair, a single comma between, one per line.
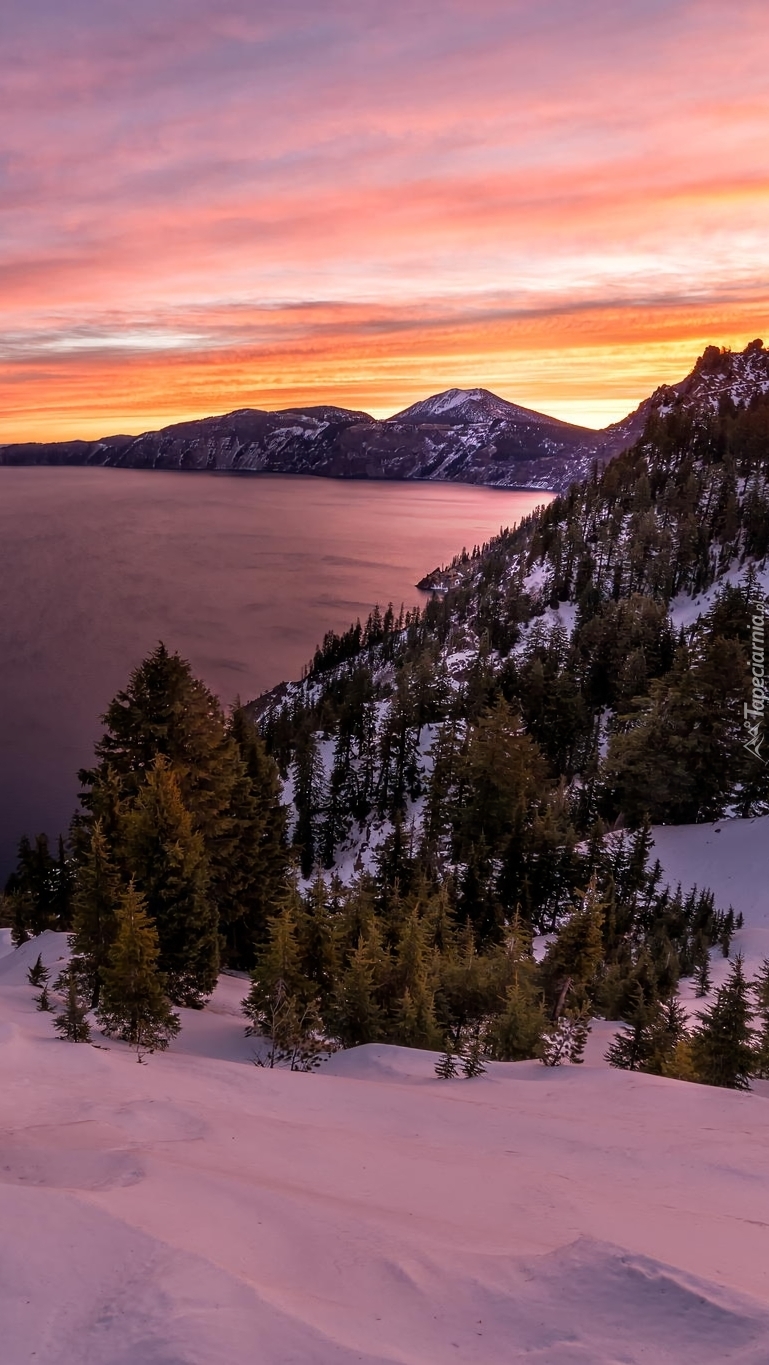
(162,163)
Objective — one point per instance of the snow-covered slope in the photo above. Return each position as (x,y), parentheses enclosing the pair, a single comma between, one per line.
(193,1211)
(201,1211)
(465,407)
(731,857)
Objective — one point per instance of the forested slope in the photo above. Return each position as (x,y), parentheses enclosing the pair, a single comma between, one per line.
(559,646)
(457,780)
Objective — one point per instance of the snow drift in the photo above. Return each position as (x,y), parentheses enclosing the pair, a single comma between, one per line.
(199,1210)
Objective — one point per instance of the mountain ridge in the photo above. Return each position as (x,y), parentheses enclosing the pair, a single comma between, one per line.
(458,435)
(614,628)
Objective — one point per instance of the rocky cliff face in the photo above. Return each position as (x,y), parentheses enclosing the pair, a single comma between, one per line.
(461,435)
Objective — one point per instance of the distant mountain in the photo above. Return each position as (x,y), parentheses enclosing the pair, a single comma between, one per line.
(468,407)
(460,435)
(521,449)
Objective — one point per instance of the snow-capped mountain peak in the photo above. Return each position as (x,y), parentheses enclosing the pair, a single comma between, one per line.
(466,407)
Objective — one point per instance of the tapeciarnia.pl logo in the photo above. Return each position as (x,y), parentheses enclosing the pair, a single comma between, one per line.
(754,713)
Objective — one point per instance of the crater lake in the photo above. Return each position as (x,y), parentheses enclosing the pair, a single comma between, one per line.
(243,576)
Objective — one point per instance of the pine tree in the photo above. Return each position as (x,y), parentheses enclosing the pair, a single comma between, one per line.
(282,1003)
(259,865)
(43,1001)
(446,1066)
(96,894)
(670,1046)
(580,1034)
(633,1047)
(167,858)
(503,769)
(472,1059)
(165,711)
(722,1044)
(355,1013)
(39,890)
(354,914)
(679,1065)
(477,899)
(339,799)
(38,973)
(292,1027)
(516,1032)
(467,985)
(72,1021)
(413,986)
(316,939)
(18,911)
(308,800)
(565,1040)
(702,975)
(415,1024)
(279,958)
(760,988)
(519,1014)
(133,1005)
(571,964)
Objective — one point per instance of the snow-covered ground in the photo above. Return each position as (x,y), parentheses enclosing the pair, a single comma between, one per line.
(731,858)
(686,610)
(199,1210)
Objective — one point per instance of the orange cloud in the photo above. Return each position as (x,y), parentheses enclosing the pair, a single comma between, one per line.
(215,206)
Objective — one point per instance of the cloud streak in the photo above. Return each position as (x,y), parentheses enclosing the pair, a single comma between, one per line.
(236,201)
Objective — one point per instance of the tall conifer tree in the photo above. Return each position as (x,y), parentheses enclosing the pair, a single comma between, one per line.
(134,1005)
(723,1043)
(760,989)
(260,860)
(97,891)
(72,1020)
(166,712)
(167,857)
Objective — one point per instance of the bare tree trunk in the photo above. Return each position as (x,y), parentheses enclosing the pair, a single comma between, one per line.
(561,1001)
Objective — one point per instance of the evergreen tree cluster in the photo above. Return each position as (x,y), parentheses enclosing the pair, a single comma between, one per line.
(38,894)
(553,647)
(543,697)
(727,1046)
(184,804)
(504,749)
(174,864)
(394,957)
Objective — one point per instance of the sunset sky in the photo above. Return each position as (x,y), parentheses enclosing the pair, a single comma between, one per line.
(207,205)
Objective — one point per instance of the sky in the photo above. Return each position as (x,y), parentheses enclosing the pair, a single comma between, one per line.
(212,204)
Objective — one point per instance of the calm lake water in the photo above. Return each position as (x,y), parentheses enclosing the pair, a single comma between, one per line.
(242,575)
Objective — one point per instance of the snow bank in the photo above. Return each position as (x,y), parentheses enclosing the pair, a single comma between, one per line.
(202,1211)
(382,1061)
(199,1210)
(53,948)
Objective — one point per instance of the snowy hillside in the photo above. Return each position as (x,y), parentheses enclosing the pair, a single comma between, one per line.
(461,407)
(737,377)
(214,1213)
